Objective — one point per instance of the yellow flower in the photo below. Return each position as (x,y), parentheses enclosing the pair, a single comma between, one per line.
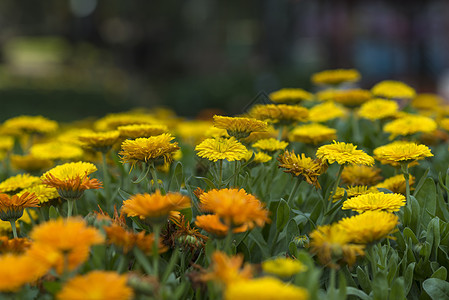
(18,270)
(303,166)
(11,207)
(375,201)
(378,109)
(344,153)
(221,148)
(30,163)
(71,179)
(71,136)
(396,184)
(42,192)
(18,182)
(283,266)
(334,246)
(212,224)
(350,97)
(352,191)
(226,270)
(235,207)
(239,127)
(270,145)
(410,125)
(29,124)
(255,136)
(290,96)
(113,121)
(401,152)
(391,89)
(369,227)
(148,149)
(63,239)
(154,206)
(326,111)
(141,130)
(444,123)
(264,288)
(337,76)
(6,143)
(312,134)
(279,113)
(360,175)
(427,101)
(98,285)
(99,141)
(56,151)
(194,132)
(259,157)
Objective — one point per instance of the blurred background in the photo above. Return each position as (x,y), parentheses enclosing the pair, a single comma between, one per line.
(70,59)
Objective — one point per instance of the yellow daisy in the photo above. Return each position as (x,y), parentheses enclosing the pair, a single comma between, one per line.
(344,153)
(326,111)
(312,134)
(259,157)
(290,96)
(427,101)
(350,97)
(375,202)
(270,145)
(29,124)
(30,163)
(239,127)
(401,152)
(280,113)
(283,266)
(113,121)
(141,130)
(18,182)
(360,175)
(56,151)
(6,143)
(42,192)
(99,141)
(378,109)
(391,89)
(221,148)
(352,191)
(396,184)
(337,76)
(409,125)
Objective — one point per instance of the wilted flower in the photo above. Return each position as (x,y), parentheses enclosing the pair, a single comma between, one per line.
(303,166)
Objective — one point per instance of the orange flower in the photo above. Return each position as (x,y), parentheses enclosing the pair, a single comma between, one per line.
(212,224)
(11,207)
(225,269)
(18,245)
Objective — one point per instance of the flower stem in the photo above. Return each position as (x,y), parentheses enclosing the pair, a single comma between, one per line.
(220,173)
(355,127)
(69,208)
(155,179)
(157,233)
(228,241)
(337,182)
(294,189)
(14,228)
(404,169)
(106,180)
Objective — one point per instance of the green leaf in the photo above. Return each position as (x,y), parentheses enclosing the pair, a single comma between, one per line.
(257,237)
(177,176)
(342,287)
(397,290)
(441,273)
(282,215)
(380,292)
(143,174)
(408,277)
(52,286)
(53,213)
(409,234)
(363,280)
(356,292)
(209,183)
(426,198)
(421,182)
(436,288)
(415,219)
(124,194)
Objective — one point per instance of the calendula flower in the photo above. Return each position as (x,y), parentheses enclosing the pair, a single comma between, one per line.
(312,134)
(11,207)
(212,224)
(344,153)
(264,288)
(350,97)
(56,151)
(18,270)
(337,76)
(16,246)
(63,243)
(352,191)
(377,109)
(72,179)
(444,124)
(283,266)
(29,163)
(235,207)
(334,246)
(5,227)
(326,111)
(141,130)
(29,124)
(391,89)
(113,121)
(401,152)
(270,145)
(396,184)
(227,269)
(42,192)
(255,136)
(410,125)
(189,238)
(259,157)
(369,227)
(290,96)
(280,113)
(360,175)
(148,150)
(98,285)
(99,141)
(6,143)
(154,207)
(18,182)
(194,132)
(375,202)
(239,127)
(427,101)
(300,165)
(221,148)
